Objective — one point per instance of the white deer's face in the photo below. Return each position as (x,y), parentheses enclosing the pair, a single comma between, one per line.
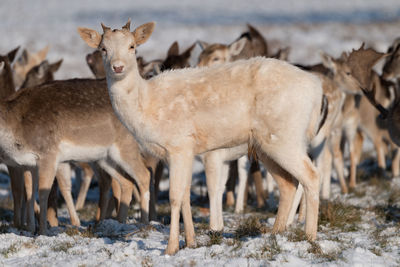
(118,46)
(118,51)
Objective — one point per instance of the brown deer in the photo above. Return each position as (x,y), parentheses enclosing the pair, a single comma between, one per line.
(355,73)
(25,62)
(177,115)
(60,121)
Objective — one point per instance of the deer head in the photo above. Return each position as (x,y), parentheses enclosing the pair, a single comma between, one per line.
(175,60)
(41,73)
(27,61)
(219,53)
(118,47)
(95,63)
(391,69)
(7,86)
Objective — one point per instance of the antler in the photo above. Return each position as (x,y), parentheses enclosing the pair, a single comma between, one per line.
(105,28)
(127,26)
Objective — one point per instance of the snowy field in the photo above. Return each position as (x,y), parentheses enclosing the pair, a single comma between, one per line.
(359,229)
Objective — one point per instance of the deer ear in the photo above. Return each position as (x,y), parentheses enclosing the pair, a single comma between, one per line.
(203,45)
(11,54)
(173,50)
(91,37)
(143,32)
(236,47)
(43,67)
(328,62)
(43,53)
(55,66)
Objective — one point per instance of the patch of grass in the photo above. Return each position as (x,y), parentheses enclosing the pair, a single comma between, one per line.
(215,238)
(10,250)
(271,248)
(4,228)
(249,227)
(316,249)
(72,231)
(62,247)
(235,243)
(88,232)
(339,215)
(147,262)
(202,225)
(297,235)
(144,231)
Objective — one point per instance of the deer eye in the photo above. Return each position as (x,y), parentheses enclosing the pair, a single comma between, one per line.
(132,47)
(348,73)
(216,59)
(103,50)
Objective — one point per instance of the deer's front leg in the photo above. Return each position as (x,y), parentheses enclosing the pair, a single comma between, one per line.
(17,188)
(47,171)
(180,178)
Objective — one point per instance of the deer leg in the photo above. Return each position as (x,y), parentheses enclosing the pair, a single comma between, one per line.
(302,209)
(380,151)
(257,176)
(215,185)
(295,164)
(180,179)
(52,206)
(338,159)
(230,185)
(114,203)
(17,189)
(47,171)
(242,171)
(187,217)
(85,183)
(355,154)
(324,165)
(287,189)
(30,181)
(63,176)
(105,182)
(395,162)
(133,165)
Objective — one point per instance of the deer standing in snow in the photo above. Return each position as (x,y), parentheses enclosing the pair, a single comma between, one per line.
(61,121)
(267,103)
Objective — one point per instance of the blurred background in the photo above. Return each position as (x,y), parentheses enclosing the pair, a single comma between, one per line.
(307,26)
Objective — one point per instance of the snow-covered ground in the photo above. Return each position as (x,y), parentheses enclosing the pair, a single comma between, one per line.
(369,238)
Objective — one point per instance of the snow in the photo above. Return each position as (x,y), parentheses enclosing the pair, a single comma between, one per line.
(308,27)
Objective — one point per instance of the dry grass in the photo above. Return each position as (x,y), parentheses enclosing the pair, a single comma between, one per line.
(270,248)
(339,215)
(215,238)
(250,227)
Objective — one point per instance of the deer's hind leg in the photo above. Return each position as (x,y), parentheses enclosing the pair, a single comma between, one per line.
(287,188)
(292,158)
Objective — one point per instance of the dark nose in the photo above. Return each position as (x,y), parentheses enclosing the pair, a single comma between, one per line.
(118,69)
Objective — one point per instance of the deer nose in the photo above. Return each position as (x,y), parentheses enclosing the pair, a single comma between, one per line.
(118,69)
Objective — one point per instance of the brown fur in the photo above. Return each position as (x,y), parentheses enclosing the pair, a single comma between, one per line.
(73,111)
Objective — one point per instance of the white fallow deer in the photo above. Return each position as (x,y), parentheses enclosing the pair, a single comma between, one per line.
(267,103)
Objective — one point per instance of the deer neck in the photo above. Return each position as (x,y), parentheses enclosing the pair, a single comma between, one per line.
(127,97)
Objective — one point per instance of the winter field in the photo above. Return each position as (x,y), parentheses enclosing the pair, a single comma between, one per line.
(361,228)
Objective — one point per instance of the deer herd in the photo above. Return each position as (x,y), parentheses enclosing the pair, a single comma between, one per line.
(240,106)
